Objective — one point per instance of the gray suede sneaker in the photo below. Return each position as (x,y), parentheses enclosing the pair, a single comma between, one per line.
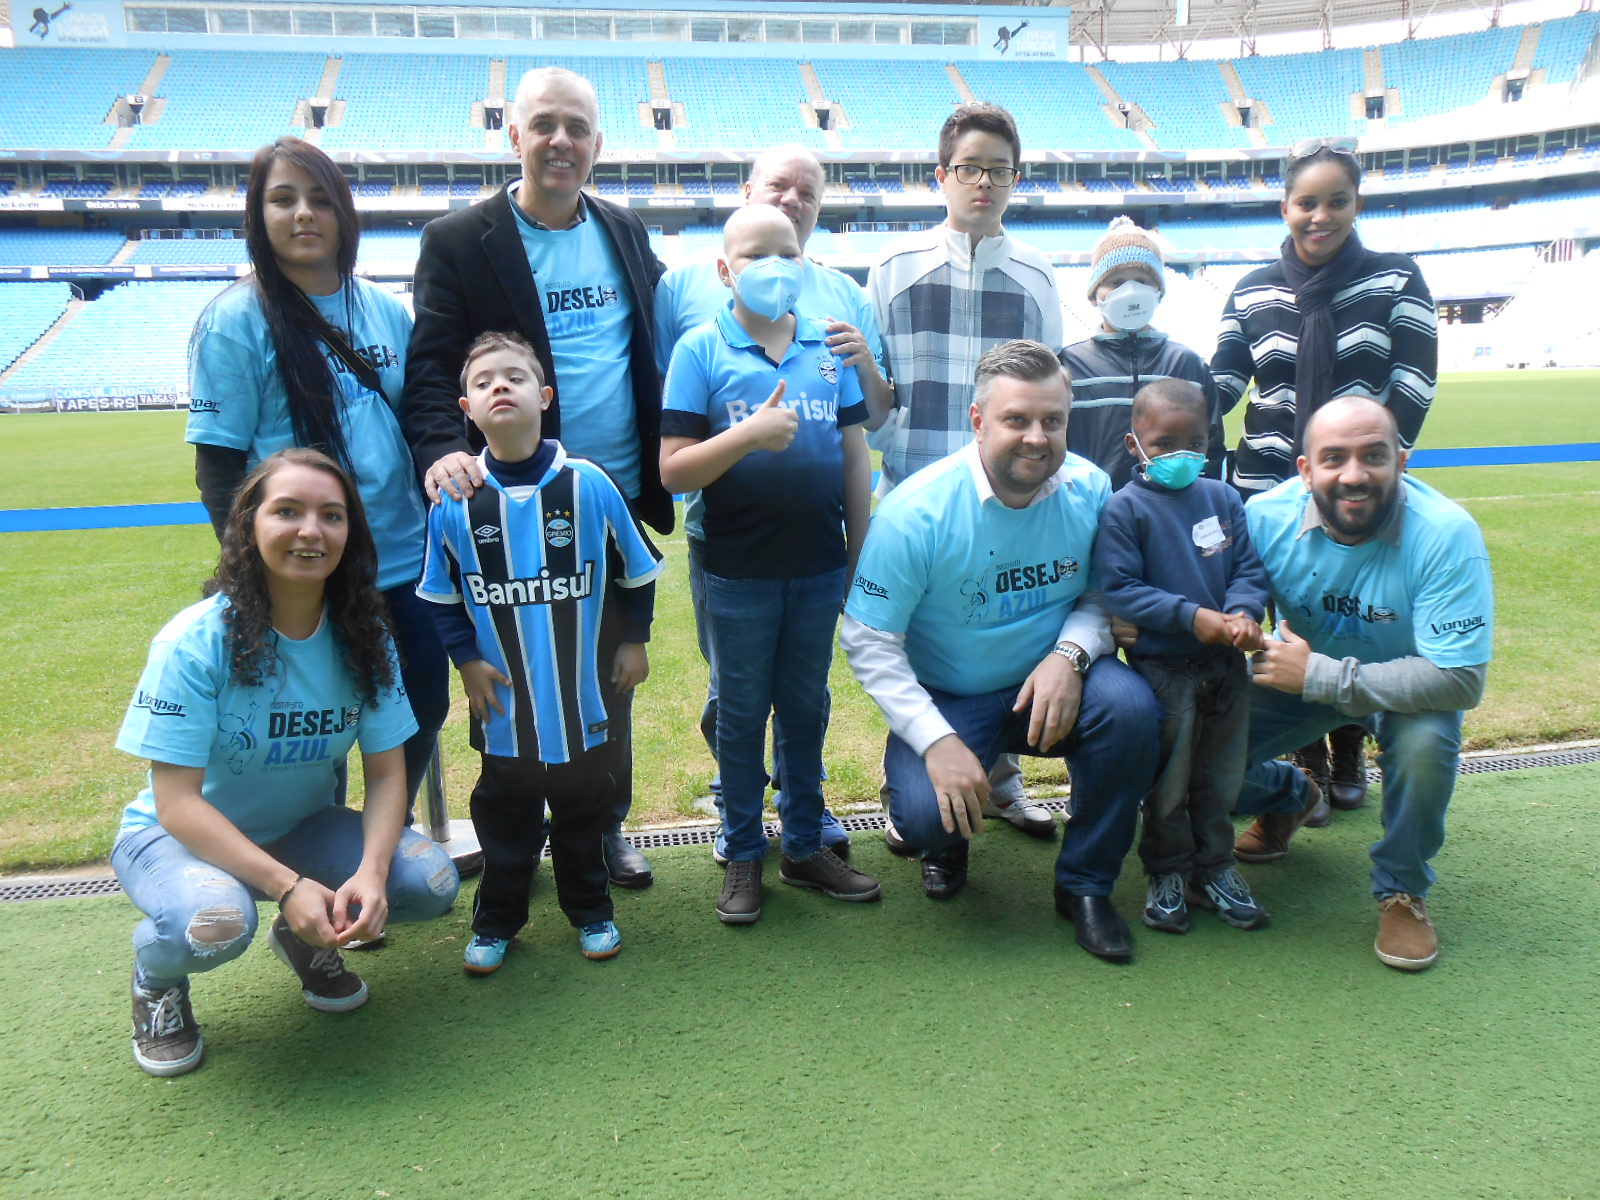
(166,1039)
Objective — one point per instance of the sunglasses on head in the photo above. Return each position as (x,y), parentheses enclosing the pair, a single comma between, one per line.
(1343,146)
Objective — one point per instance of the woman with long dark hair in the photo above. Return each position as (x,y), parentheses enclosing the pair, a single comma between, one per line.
(249,702)
(1330,318)
(302,353)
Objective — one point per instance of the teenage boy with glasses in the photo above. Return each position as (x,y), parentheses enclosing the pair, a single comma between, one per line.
(943,297)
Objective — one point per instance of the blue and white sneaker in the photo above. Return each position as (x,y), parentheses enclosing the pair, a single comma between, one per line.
(719,846)
(599,940)
(1229,896)
(1164,906)
(485,954)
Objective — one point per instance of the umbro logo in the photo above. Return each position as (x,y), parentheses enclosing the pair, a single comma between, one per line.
(487,533)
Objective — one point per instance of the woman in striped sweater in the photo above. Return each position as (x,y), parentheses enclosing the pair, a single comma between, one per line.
(1330,318)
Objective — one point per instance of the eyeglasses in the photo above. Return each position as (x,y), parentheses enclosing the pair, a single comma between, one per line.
(969,174)
(1345,146)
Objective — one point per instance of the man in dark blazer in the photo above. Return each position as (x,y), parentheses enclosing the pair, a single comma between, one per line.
(576,277)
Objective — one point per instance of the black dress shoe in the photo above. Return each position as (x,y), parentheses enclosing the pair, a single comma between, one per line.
(946,875)
(1101,929)
(625,865)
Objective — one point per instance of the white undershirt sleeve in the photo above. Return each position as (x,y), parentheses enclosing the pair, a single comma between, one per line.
(1088,626)
(884,672)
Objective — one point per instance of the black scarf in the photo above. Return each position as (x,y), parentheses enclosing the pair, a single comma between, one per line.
(1314,289)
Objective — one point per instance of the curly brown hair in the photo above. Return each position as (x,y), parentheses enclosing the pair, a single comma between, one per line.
(355,607)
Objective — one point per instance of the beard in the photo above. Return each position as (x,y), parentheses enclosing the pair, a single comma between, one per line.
(1361,528)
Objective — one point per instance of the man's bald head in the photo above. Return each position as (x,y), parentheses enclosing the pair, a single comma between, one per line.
(789,178)
(1352,465)
(1336,415)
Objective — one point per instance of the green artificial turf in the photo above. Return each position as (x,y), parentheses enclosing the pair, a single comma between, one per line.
(900,1049)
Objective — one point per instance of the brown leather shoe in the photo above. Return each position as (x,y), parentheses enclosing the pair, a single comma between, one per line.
(1268,839)
(1407,939)
(1347,788)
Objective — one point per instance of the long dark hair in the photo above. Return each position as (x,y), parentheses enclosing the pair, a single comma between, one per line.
(356,611)
(292,320)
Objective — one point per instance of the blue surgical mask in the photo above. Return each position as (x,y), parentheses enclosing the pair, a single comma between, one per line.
(770,287)
(1174,471)
(1130,306)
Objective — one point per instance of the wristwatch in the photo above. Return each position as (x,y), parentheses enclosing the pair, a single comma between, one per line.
(1073,653)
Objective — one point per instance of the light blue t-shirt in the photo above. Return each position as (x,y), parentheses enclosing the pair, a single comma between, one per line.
(269,751)
(1432,595)
(693,294)
(978,589)
(588,313)
(237,400)
(772,514)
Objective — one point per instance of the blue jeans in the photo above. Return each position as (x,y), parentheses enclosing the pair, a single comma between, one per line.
(833,834)
(1418,754)
(1205,725)
(774,648)
(180,893)
(1111,752)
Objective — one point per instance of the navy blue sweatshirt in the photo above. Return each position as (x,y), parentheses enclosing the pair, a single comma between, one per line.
(1162,556)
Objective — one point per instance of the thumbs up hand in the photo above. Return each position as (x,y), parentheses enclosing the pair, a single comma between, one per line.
(772,427)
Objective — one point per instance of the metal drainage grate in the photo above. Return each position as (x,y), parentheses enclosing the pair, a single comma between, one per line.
(704,834)
(56,889)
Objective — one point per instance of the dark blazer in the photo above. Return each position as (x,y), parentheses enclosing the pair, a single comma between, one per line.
(472,277)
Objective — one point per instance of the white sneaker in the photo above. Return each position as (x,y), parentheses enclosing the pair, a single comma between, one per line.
(1033,819)
(892,839)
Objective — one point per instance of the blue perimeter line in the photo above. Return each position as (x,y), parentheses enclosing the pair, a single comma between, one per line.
(140,516)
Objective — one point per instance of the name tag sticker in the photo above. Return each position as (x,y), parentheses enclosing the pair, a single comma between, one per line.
(1208,534)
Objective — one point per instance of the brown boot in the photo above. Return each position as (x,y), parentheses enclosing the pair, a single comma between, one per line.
(1407,939)
(1348,771)
(1268,839)
(1313,760)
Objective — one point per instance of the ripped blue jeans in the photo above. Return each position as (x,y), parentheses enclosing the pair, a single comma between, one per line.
(198,916)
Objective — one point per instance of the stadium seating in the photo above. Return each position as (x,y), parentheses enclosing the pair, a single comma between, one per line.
(888,104)
(1056,105)
(189,251)
(389,251)
(60,99)
(1473,274)
(1307,95)
(228,100)
(408,101)
(1439,75)
(1563,44)
(740,102)
(60,247)
(1183,99)
(110,343)
(27,310)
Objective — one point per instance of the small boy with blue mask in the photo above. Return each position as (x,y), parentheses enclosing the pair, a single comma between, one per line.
(1127,282)
(1174,558)
(759,416)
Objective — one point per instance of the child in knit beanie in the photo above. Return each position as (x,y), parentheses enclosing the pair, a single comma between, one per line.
(1127,282)
(1125,252)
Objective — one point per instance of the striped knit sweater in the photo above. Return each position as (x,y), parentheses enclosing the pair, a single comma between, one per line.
(1387,350)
